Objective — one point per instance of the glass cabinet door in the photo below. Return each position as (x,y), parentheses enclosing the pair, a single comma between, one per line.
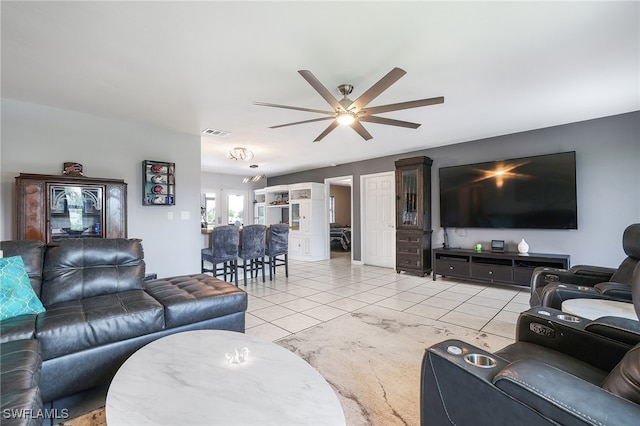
(295,216)
(409,198)
(75,211)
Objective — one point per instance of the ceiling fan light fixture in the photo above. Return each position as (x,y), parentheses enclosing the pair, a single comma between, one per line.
(239,153)
(346,118)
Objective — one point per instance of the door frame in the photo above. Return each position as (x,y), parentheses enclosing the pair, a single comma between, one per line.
(327,189)
(363,223)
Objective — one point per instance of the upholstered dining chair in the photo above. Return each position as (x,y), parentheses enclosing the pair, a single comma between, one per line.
(252,249)
(223,251)
(278,245)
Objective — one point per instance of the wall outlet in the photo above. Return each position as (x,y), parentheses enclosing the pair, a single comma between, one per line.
(169,215)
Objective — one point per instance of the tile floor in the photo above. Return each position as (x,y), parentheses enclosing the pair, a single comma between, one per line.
(316,292)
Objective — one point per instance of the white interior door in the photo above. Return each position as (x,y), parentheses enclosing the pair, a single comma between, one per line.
(378,219)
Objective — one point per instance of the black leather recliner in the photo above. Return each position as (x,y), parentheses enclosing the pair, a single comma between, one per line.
(562,370)
(550,286)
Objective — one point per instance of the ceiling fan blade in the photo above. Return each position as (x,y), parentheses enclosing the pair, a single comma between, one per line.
(359,128)
(389,121)
(301,122)
(292,107)
(402,105)
(323,91)
(375,90)
(326,131)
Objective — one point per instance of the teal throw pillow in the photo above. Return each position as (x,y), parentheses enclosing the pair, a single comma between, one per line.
(16,294)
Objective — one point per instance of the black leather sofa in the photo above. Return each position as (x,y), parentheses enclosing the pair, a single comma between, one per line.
(99,311)
(551,286)
(562,370)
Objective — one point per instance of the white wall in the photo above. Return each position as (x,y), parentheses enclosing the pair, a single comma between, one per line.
(39,139)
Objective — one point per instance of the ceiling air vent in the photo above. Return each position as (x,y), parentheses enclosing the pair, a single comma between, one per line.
(214,132)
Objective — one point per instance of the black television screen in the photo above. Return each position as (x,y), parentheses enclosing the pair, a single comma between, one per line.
(527,193)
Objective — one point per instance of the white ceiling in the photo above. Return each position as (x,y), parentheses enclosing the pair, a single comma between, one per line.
(502,67)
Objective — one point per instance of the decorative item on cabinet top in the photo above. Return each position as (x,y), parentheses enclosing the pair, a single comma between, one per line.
(158,183)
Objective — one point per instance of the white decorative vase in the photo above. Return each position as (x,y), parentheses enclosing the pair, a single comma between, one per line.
(523,247)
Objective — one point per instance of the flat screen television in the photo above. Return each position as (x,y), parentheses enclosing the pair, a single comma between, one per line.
(526,193)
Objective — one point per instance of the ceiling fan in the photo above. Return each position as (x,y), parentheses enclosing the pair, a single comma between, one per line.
(348,112)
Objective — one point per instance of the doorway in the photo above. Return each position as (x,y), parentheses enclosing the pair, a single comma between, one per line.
(339,202)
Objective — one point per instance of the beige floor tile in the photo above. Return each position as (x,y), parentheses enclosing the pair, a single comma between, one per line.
(427,311)
(273,312)
(300,304)
(439,302)
(348,304)
(464,320)
(296,322)
(324,297)
(268,331)
(477,310)
(325,313)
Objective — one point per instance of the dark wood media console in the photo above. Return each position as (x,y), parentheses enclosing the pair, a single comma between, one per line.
(505,268)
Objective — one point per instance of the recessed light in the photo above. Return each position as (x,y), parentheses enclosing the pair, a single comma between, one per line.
(253,166)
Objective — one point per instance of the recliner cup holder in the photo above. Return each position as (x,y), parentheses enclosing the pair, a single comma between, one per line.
(584,288)
(480,360)
(568,318)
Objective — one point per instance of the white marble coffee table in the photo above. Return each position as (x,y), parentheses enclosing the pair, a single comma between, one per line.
(186,378)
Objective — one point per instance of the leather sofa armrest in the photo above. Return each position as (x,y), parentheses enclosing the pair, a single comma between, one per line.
(566,333)
(453,391)
(562,397)
(617,328)
(553,295)
(616,291)
(544,276)
(601,273)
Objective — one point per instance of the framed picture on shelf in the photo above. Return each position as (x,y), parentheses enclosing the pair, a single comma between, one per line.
(158,183)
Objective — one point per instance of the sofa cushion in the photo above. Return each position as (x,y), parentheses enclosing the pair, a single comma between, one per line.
(86,267)
(18,328)
(192,298)
(16,294)
(22,407)
(76,325)
(20,364)
(32,253)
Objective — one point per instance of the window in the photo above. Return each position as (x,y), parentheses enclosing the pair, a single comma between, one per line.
(332,209)
(210,209)
(236,209)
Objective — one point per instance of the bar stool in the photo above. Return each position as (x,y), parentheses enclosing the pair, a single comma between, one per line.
(278,245)
(252,249)
(223,250)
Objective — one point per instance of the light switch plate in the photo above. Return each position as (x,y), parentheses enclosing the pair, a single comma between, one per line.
(169,215)
(184,215)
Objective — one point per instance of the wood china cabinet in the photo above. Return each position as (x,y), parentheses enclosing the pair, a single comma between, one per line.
(51,208)
(413,215)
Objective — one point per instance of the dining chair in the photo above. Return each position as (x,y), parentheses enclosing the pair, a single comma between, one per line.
(223,251)
(278,245)
(252,249)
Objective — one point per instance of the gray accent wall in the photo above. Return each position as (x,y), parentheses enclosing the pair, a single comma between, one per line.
(608,186)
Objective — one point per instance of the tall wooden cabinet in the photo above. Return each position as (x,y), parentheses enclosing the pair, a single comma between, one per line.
(51,208)
(413,215)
